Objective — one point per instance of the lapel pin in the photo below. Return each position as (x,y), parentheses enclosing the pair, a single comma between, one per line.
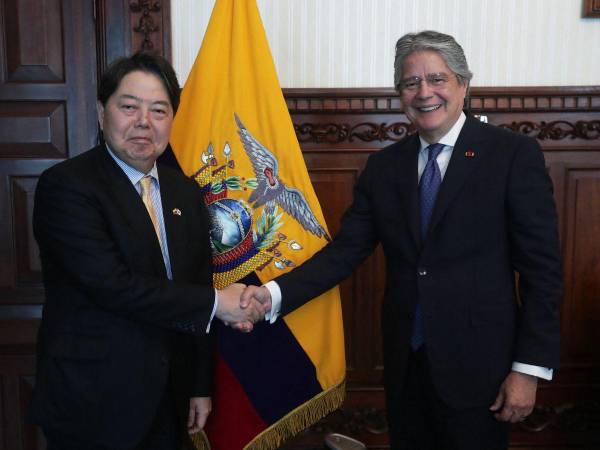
(176,212)
(469,154)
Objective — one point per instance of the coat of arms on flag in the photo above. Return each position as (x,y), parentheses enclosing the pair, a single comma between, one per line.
(233,135)
(239,247)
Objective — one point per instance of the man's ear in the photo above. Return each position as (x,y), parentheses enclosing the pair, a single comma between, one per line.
(100,110)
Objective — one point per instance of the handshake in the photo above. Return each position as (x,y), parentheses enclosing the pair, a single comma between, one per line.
(241,306)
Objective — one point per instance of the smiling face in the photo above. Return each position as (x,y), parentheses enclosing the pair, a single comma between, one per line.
(136,120)
(433,105)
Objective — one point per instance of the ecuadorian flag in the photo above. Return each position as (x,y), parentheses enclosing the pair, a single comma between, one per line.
(234,136)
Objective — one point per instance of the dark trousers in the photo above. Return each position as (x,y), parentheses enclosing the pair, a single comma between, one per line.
(164,434)
(419,419)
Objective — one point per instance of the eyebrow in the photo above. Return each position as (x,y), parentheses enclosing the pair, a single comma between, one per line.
(433,74)
(138,99)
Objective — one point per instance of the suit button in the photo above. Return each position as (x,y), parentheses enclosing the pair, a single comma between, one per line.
(422,271)
(164,360)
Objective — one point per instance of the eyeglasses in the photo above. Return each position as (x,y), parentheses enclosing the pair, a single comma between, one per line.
(432,80)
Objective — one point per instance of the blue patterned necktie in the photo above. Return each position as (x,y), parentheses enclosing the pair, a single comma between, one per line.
(428,190)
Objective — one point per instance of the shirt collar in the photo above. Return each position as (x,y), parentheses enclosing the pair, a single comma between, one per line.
(450,138)
(132,173)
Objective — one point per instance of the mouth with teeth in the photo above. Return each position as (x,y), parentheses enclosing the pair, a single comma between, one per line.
(429,108)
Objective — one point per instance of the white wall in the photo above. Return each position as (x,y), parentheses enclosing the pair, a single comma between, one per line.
(350,43)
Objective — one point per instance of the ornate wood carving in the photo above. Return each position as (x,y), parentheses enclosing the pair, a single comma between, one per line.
(558,129)
(335,133)
(552,115)
(146,25)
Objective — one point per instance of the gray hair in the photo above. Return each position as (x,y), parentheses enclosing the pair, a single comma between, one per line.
(443,44)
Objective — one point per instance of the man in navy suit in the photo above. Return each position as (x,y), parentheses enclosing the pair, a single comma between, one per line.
(459,207)
(126,259)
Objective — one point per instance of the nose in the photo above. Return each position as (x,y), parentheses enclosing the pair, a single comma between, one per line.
(143,119)
(424,90)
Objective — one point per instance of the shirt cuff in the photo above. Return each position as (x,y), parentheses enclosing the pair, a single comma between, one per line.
(275,292)
(536,371)
(214,311)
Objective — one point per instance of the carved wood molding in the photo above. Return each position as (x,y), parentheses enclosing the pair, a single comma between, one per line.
(482,100)
(149,26)
(558,129)
(561,115)
(145,11)
(334,133)
(126,26)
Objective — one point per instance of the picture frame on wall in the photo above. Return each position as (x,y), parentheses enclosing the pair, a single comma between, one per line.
(591,8)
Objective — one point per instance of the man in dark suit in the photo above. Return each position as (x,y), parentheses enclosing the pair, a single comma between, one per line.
(126,258)
(458,207)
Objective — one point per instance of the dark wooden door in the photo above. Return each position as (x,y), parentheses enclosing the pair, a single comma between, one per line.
(47,114)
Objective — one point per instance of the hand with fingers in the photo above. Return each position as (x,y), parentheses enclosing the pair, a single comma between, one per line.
(516,398)
(200,408)
(258,297)
(258,293)
(231,311)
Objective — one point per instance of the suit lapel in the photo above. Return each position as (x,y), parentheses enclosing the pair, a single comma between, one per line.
(466,155)
(131,207)
(174,219)
(407,174)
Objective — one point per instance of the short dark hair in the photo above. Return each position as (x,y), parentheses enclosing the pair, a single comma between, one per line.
(143,61)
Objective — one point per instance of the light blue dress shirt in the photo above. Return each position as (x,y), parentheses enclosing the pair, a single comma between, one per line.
(135,176)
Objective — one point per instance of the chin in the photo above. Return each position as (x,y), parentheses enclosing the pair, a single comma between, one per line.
(430,126)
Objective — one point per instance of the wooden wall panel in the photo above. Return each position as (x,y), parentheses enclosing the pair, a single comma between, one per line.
(16,384)
(51,53)
(47,114)
(333,177)
(29,270)
(33,129)
(34,49)
(581,312)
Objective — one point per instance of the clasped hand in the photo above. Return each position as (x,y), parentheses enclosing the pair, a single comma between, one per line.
(241,306)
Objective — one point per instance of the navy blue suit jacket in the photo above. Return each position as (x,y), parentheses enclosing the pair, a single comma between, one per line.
(114,326)
(494,216)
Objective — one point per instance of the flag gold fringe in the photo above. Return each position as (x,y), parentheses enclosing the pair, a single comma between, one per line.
(300,418)
(200,441)
(292,423)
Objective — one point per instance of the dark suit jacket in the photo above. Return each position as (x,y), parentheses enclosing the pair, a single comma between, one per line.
(113,323)
(494,215)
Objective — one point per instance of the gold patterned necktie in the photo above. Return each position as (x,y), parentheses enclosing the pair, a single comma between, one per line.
(146,192)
